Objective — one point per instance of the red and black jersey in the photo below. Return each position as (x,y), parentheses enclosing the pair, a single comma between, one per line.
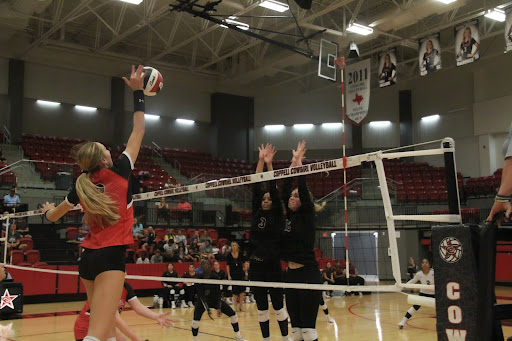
(82,321)
(115,183)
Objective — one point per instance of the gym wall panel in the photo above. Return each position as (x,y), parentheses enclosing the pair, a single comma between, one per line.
(3,110)
(381,137)
(67,86)
(492,116)
(4,75)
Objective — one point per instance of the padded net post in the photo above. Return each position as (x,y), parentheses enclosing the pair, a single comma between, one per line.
(451,178)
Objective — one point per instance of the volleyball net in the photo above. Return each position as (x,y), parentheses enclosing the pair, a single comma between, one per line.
(386,276)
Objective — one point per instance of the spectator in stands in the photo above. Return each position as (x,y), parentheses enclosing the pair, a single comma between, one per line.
(4,275)
(204,238)
(148,239)
(502,199)
(207,249)
(193,250)
(171,289)
(328,276)
(4,221)
(11,200)
(137,228)
(169,183)
(143,259)
(194,236)
(189,287)
(184,205)
(338,273)
(157,257)
(130,256)
(22,227)
(162,211)
(180,237)
(13,240)
(144,175)
(168,235)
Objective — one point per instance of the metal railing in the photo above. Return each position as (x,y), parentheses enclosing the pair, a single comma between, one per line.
(6,136)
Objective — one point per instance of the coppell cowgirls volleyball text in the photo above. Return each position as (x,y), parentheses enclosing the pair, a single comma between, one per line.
(304,169)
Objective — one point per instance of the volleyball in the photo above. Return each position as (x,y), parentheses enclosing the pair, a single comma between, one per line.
(153,81)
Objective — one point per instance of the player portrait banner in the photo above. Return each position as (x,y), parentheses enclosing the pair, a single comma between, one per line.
(429,54)
(508,30)
(357,78)
(467,43)
(456,284)
(387,68)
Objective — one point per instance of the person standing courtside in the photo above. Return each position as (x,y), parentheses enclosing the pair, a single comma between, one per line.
(298,244)
(104,192)
(266,229)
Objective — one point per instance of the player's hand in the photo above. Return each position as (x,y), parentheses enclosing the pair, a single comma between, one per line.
(270,151)
(499,207)
(298,154)
(262,152)
(46,207)
(136,81)
(164,321)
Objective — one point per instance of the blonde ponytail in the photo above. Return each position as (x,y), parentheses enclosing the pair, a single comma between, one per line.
(100,209)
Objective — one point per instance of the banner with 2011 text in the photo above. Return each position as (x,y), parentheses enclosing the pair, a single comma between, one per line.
(357,90)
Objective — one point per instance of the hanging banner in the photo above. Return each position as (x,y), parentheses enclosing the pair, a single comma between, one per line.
(357,78)
(429,54)
(467,43)
(508,31)
(387,68)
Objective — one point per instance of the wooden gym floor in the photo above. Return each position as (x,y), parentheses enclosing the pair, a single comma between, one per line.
(370,317)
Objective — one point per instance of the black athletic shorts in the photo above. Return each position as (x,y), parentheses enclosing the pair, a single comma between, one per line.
(95,261)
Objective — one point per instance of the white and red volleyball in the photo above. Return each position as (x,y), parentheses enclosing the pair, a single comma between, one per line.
(153,82)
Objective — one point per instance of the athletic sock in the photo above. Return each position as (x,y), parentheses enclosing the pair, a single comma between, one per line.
(91,338)
(236,328)
(283,325)
(265,329)
(195,331)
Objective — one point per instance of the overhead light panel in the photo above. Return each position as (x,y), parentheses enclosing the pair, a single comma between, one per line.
(238,24)
(85,108)
(380,124)
(447,1)
(303,126)
(184,121)
(47,103)
(332,125)
(496,14)
(135,2)
(430,118)
(360,29)
(274,127)
(275,5)
(151,117)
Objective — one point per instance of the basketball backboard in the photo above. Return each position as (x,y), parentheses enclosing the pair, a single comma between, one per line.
(327,59)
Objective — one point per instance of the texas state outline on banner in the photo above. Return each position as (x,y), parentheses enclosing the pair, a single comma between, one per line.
(357,78)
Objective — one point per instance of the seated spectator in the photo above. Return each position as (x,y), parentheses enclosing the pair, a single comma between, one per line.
(194,236)
(207,249)
(169,183)
(4,275)
(157,257)
(354,278)
(162,211)
(143,259)
(130,257)
(204,238)
(338,273)
(148,239)
(13,240)
(168,235)
(144,175)
(137,228)
(193,250)
(4,221)
(328,276)
(22,227)
(11,201)
(172,289)
(180,237)
(184,205)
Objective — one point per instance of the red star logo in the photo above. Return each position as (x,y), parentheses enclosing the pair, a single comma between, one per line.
(7,300)
(358,99)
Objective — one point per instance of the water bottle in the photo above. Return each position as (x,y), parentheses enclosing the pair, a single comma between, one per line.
(155,301)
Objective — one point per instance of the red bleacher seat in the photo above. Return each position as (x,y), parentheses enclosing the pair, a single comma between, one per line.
(17,257)
(39,264)
(33,256)
(25,264)
(160,233)
(27,241)
(71,233)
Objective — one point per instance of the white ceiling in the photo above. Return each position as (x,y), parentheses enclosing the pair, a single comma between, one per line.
(107,32)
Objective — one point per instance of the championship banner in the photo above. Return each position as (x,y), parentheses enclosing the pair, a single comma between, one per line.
(467,43)
(387,68)
(508,30)
(358,90)
(456,284)
(429,54)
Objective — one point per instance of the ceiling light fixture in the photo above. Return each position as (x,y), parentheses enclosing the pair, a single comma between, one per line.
(134,2)
(238,24)
(275,5)
(151,117)
(274,127)
(496,14)
(430,118)
(184,121)
(47,103)
(303,126)
(85,108)
(380,124)
(360,29)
